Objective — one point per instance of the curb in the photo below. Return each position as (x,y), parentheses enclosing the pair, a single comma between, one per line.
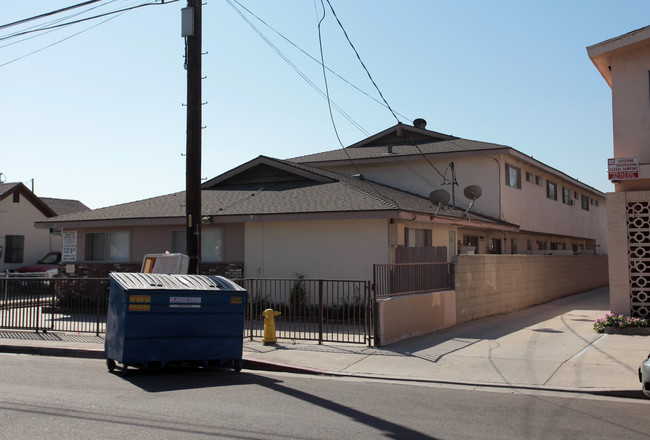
(249,364)
(52,351)
(256,364)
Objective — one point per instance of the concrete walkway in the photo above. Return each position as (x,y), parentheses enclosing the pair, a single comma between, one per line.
(551,346)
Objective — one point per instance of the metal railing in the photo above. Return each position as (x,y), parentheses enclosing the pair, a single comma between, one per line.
(319,310)
(57,304)
(409,278)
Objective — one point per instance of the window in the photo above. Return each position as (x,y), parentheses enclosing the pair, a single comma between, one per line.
(494,245)
(529,177)
(417,237)
(551,190)
(596,202)
(107,246)
(471,241)
(575,195)
(178,242)
(15,245)
(538,180)
(16,197)
(513,245)
(566,196)
(212,244)
(529,245)
(585,203)
(513,176)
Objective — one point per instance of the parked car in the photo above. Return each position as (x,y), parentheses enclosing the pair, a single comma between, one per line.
(46,266)
(644,376)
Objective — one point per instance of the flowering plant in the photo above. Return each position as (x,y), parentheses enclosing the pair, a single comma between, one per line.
(618,321)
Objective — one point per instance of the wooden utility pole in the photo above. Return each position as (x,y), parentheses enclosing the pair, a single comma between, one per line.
(192,34)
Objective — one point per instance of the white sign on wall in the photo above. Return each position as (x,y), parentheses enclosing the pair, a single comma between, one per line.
(623,168)
(69,248)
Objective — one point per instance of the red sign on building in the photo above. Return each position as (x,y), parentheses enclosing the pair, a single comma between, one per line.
(623,168)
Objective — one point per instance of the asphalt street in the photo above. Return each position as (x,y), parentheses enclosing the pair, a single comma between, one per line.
(73,398)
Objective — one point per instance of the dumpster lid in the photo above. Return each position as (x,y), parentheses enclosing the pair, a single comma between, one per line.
(136,280)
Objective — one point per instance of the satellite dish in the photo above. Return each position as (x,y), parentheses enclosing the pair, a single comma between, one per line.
(439,197)
(473,192)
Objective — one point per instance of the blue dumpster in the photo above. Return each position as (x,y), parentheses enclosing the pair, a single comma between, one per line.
(156,319)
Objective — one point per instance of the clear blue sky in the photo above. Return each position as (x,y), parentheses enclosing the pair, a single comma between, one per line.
(99,116)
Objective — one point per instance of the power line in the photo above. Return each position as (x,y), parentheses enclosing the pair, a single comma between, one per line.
(60,41)
(55,21)
(118,11)
(58,27)
(297,70)
(47,14)
(314,59)
(359,58)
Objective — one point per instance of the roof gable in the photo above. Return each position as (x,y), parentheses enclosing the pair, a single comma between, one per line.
(266,170)
(402,134)
(19,189)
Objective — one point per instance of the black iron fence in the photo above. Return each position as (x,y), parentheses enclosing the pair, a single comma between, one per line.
(319,310)
(42,304)
(406,279)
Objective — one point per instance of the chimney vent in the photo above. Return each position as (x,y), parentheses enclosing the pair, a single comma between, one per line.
(420,123)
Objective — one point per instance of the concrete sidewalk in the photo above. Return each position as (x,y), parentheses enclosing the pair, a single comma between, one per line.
(551,346)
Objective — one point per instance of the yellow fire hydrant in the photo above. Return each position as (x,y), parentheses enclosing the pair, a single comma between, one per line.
(269,326)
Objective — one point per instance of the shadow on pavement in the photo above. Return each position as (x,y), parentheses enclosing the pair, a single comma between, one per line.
(495,327)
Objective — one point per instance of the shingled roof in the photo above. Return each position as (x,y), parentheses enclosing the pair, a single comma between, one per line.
(270,187)
(64,206)
(400,141)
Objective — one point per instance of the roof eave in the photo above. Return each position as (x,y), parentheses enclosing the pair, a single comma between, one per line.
(601,53)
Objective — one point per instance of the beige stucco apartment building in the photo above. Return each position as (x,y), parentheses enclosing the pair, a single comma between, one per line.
(333,215)
(554,213)
(624,63)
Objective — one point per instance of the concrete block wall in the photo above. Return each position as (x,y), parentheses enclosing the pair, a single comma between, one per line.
(493,284)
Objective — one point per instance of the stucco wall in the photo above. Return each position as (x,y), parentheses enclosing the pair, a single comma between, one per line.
(530,207)
(631,113)
(340,249)
(479,170)
(527,206)
(18,219)
(619,273)
(404,317)
(492,284)
(157,239)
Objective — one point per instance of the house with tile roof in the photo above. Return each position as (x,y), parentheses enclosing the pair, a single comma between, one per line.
(20,242)
(333,215)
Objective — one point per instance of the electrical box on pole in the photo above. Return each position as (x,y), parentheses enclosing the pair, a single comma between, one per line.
(187,25)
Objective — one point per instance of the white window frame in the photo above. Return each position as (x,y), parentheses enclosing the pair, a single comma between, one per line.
(116,246)
(513,176)
(212,240)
